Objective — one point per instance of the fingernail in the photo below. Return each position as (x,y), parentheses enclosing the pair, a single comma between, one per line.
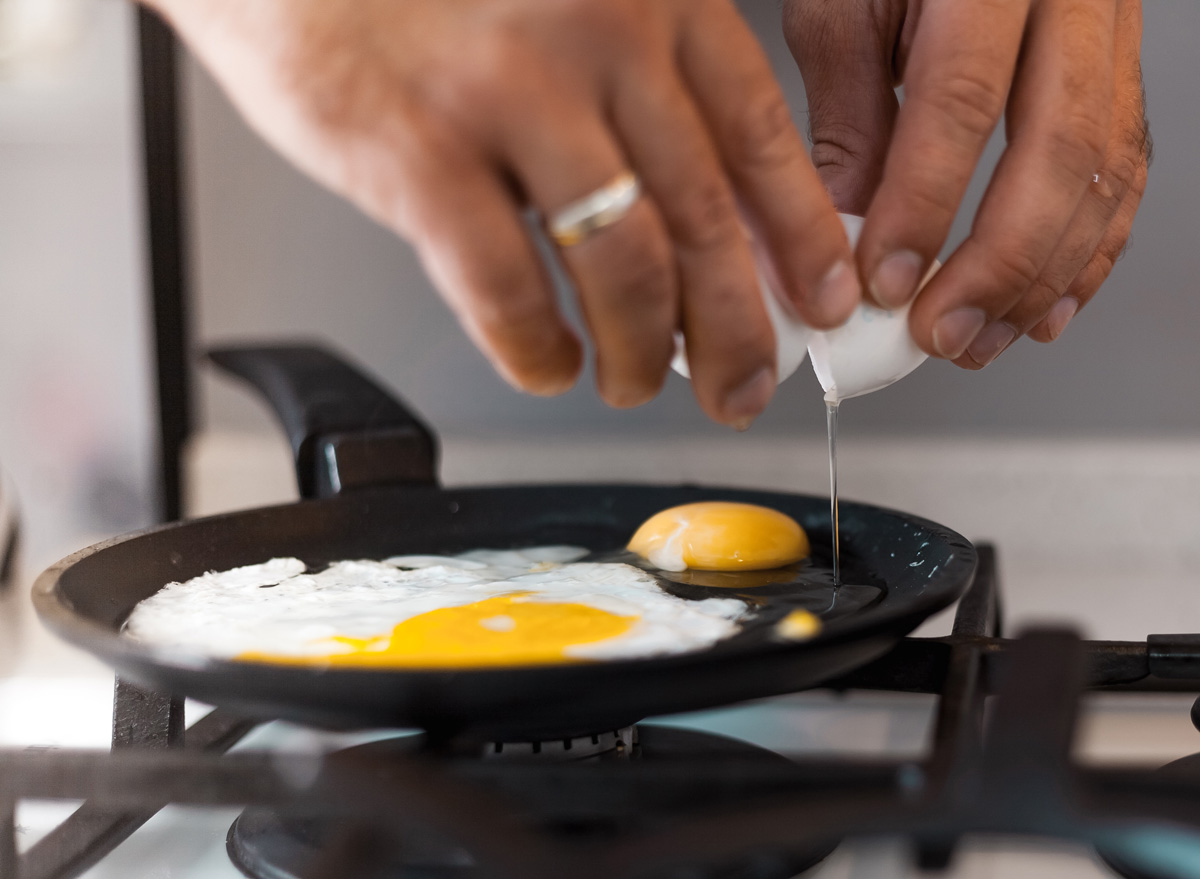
(953,332)
(1060,315)
(744,403)
(992,339)
(896,278)
(838,294)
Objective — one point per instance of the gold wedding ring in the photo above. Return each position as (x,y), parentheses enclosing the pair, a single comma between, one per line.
(594,211)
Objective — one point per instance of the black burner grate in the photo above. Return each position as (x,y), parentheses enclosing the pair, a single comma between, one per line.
(1015,777)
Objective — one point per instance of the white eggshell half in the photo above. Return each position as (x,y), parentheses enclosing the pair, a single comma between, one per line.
(871,350)
(791,338)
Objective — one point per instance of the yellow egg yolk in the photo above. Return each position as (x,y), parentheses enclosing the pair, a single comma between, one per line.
(720,536)
(799,625)
(505,630)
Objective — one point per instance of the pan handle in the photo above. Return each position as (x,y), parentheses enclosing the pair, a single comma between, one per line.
(346,431)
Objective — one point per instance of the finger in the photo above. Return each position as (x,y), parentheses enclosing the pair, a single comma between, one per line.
(1088,281)
(1119,183)
(960,64)
(785,203)
(1058,126)
(844,52)
(624,273)
(730,344)
(1080,241)
(468,231)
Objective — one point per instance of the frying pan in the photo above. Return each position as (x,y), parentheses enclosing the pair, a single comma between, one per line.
(367,470)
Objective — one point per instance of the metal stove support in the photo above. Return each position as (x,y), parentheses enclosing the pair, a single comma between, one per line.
(145,719)
(142,720)
(958,731)
(619,741)
(1026,764)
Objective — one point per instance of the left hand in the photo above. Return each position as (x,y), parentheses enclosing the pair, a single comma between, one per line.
(1060,205)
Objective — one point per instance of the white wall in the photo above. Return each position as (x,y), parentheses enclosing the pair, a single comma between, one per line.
(75,428)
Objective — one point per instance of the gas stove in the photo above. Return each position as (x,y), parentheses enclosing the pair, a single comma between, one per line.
(980,771)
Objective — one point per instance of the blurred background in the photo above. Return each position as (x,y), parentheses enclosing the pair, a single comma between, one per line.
(275,256)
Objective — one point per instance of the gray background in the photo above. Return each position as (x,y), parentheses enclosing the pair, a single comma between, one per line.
(277,256)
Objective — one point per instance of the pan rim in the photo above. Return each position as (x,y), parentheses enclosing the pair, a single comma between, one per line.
(57,612)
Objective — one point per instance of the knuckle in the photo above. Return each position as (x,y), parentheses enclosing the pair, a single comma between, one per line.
(1132,158)
(505,298)
(706,215)
(825,23)
(622,27)
(1110,252)
(1087,282)
(645,278)
(1076,144)
(930,196)
(734,334)
(1013,268)
(1036,302)
(839,145)
(498,70)
(971,102)
(1139,182)
(762,133)
(1098,268)
(1072,254)
(1121,172)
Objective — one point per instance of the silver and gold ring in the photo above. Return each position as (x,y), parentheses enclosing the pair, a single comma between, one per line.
(600,208)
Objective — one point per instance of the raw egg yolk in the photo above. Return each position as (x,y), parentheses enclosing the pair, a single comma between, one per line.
(720,536)
(505,630)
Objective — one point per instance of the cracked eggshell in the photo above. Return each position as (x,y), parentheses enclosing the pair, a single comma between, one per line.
(791,338)
(871,350)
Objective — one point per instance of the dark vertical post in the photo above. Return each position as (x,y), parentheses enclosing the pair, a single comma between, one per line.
(8,837)
(167,250)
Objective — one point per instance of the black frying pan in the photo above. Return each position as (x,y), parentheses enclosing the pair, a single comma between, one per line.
(369,466)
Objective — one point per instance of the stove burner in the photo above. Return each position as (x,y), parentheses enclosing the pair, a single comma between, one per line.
(265,844)
(1186,768)
(619,742)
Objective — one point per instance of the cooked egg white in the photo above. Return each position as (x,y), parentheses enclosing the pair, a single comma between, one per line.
(480,608)
(720,536)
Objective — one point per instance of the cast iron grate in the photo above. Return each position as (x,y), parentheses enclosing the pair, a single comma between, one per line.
(1014,776)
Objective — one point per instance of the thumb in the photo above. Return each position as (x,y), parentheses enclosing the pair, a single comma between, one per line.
(844,49)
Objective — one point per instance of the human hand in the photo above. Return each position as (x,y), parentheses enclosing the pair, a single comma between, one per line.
(1059,207)
(444,121)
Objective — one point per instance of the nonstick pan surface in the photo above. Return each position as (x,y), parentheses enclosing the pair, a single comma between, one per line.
(899,569)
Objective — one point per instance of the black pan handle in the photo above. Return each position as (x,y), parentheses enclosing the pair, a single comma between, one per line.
(346,431)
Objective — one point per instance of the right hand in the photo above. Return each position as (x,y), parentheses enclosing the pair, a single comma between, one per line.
(444,121)
(1065,75)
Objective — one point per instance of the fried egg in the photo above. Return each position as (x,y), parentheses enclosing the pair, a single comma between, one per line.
(720,536)
(479,608)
